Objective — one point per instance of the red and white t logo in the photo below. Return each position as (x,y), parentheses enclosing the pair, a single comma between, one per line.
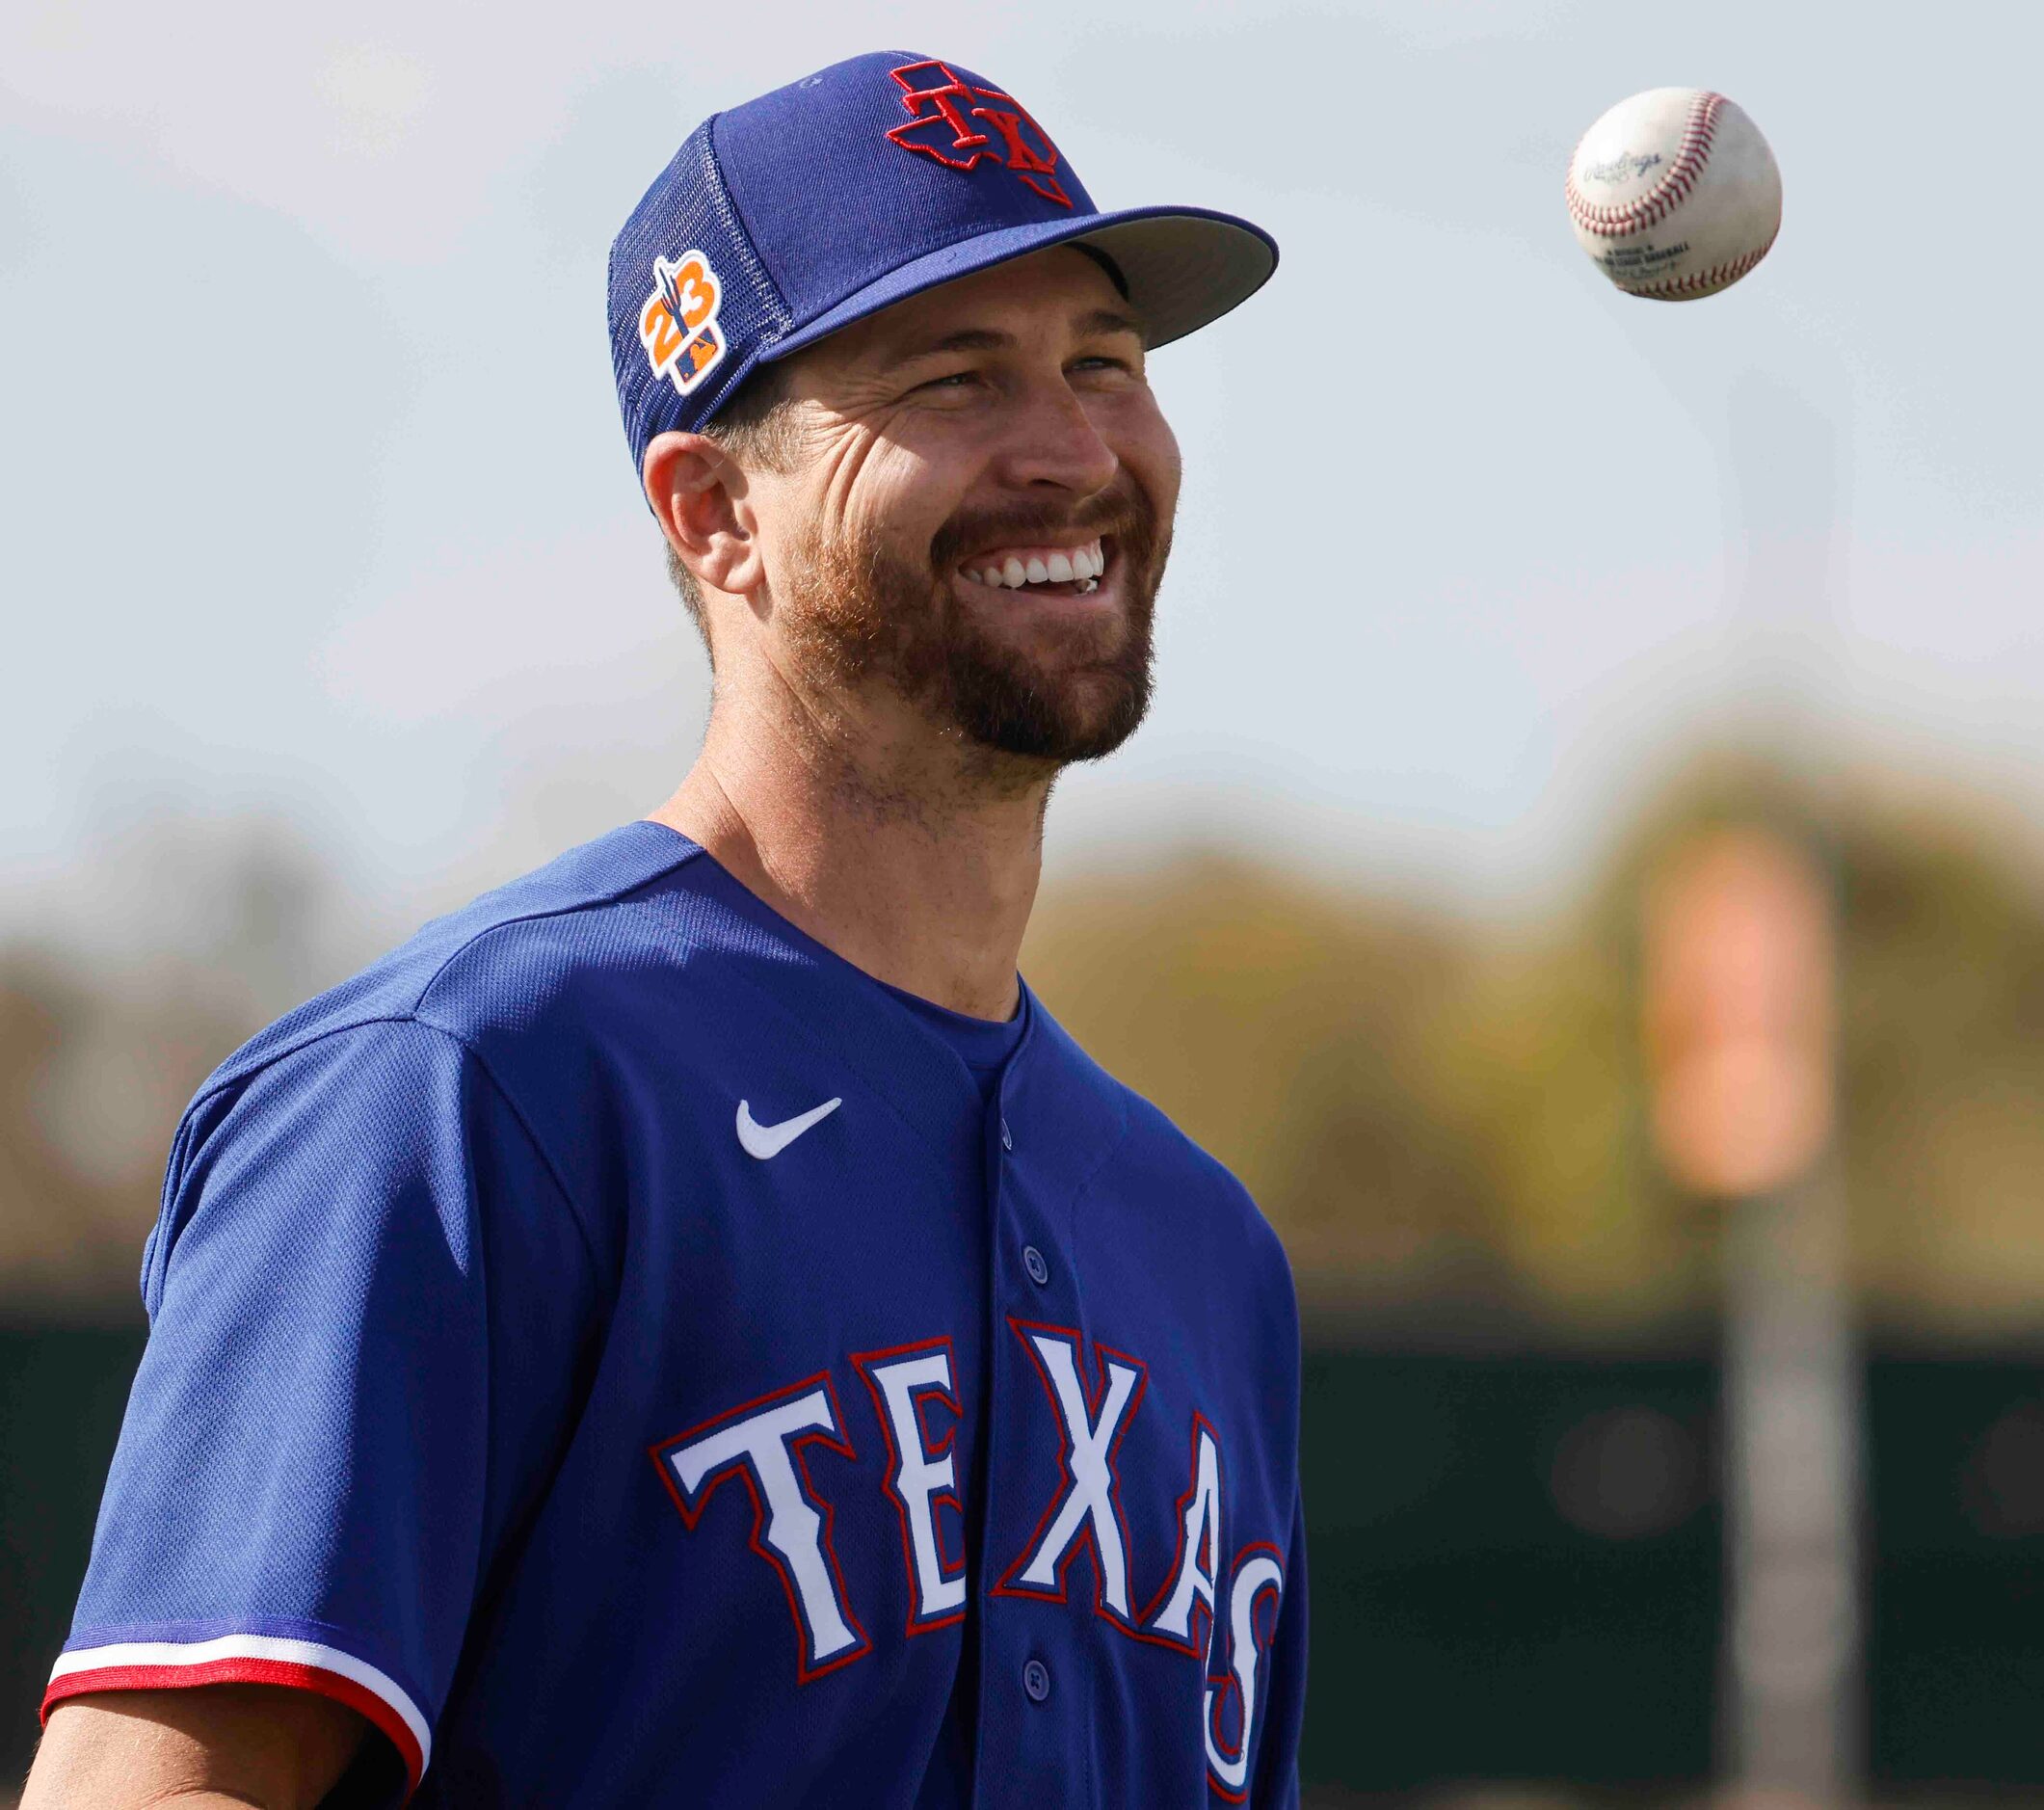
(763,1443)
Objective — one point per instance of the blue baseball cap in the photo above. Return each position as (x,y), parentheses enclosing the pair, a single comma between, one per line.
(785,218)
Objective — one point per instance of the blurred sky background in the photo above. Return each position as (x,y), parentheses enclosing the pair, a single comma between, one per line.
(317,504)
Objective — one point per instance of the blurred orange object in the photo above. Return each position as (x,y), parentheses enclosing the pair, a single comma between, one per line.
(1739,1001)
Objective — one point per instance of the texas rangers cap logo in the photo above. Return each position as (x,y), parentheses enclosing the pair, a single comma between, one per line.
(960,123)
(677,323)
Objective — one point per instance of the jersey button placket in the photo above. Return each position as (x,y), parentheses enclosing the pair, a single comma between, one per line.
(1025,1746)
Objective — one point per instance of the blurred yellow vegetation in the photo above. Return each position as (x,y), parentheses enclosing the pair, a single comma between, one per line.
(1444,1116)
(93,1077)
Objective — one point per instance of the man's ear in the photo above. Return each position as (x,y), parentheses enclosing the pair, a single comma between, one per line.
(699,494)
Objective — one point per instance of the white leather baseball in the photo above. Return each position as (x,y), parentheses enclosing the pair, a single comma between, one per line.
(1675,194)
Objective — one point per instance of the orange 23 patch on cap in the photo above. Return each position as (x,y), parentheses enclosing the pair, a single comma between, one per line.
(677,323)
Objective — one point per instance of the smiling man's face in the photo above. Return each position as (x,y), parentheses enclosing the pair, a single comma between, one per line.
(975,509)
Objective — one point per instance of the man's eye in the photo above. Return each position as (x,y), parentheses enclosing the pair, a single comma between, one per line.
(954,380)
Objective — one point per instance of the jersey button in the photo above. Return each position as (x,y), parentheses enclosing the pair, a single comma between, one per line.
(1034,1262)
(1007,1137)
(1036,1680)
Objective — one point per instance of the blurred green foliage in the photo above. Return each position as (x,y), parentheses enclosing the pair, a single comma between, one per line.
(1450,1113)
(1444,1114)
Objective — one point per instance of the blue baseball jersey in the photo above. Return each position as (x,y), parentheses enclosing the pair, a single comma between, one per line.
(617,1346)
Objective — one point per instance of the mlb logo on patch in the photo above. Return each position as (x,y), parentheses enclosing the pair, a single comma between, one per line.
(677,324)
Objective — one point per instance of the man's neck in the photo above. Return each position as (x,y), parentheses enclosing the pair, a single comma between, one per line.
(913,860)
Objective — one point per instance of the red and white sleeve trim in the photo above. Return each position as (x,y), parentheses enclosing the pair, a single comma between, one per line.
(250,1659)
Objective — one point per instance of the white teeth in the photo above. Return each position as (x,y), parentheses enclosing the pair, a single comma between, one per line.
(1083,566)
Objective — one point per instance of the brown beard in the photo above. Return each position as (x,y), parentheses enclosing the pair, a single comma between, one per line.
(857,611)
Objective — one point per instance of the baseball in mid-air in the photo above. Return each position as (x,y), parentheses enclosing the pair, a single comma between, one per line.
(1675,194)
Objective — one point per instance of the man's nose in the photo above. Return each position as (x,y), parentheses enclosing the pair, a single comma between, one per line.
(1052,440)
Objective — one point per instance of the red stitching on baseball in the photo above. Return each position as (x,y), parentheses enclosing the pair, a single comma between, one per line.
(1717,277)
(1666,195)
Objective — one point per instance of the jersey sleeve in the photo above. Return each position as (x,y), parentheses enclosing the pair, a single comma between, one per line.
(369,1299)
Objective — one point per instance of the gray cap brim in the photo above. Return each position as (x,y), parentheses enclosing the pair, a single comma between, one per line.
(1184,267)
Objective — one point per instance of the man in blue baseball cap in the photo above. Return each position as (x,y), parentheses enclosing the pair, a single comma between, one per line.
(821,269)
(691,1327)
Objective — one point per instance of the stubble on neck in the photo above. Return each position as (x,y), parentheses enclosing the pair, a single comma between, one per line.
(904,849)
(854,777)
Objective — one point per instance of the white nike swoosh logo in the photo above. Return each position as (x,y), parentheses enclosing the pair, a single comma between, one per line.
(770,1140)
